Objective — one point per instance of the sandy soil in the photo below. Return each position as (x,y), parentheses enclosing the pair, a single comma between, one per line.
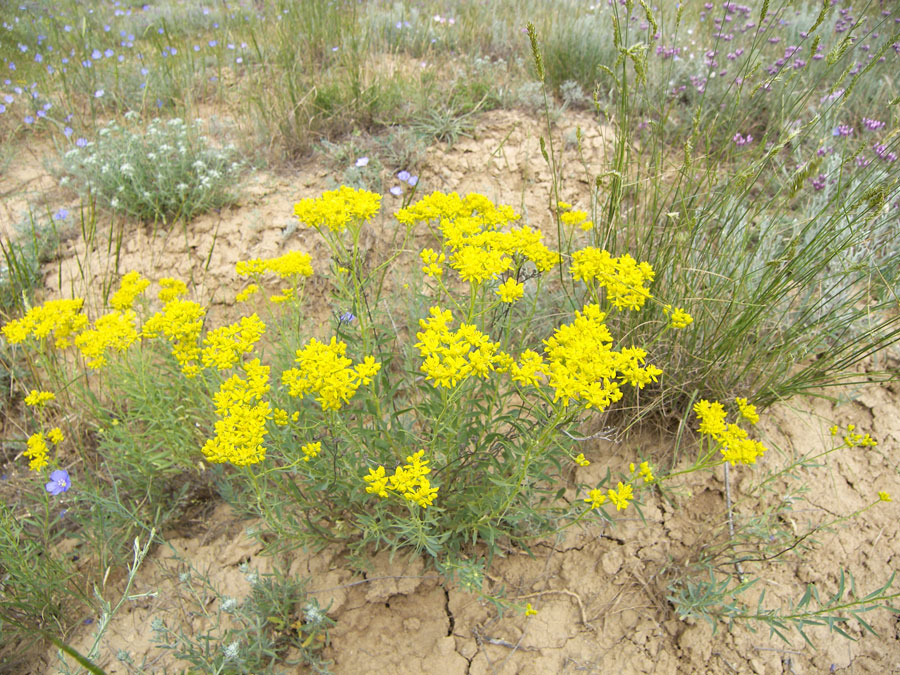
(600,592)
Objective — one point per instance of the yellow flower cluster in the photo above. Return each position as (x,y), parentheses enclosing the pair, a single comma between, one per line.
(747,410)
(224,346)
(623,493)
(529,369)
(583,367)
(433,262)
(623,277)
(408,480)
(852,439)
(471,230)
(884,496)
(241,429)
(326,371)
(571,217)
(736,446)
(293,263)
(169,289)
(336,209)
(37,452)
(131,286)
(39,399)
(510,290)
(115,331)
(62,317)
(441,207)
(311,450)
(281,417)
(245,294)
(453,356)
(644,470)
(678,318)
(180,322)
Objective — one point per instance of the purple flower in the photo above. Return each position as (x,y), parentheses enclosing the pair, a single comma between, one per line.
(842,130)
(403,175)
(347,317)
(59,482)
(396,190)
(81,142)
(98,94)
(96,55)
(872,125)
(362,161)
(413,181)
(62,214)
(29,119)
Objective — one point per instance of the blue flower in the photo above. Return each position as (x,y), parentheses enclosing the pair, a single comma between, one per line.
(403,175)
(59,482)
(396,190)
(62,214)
(362,161)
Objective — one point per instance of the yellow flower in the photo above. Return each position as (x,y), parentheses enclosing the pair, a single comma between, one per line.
(583,367)
(528,370)
(115,331)
(377,482)
(39,398)
(131,286)
(712,417)
(884,496)
(595,498)
(408,481)
(855,440)
(624,278)
(311,450)
(280,417)
(62,317)
(529,610)
(748,411)
(170,289)
(37,451)
(579,218)
(326,372)
(55,436)
(678,317)
(224,346)
(580,460)
(510,290)
(336,209)
(646,472)
(241,429)
(433,262)
(180,322)
(450,357)
(621,495)
(246,293)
